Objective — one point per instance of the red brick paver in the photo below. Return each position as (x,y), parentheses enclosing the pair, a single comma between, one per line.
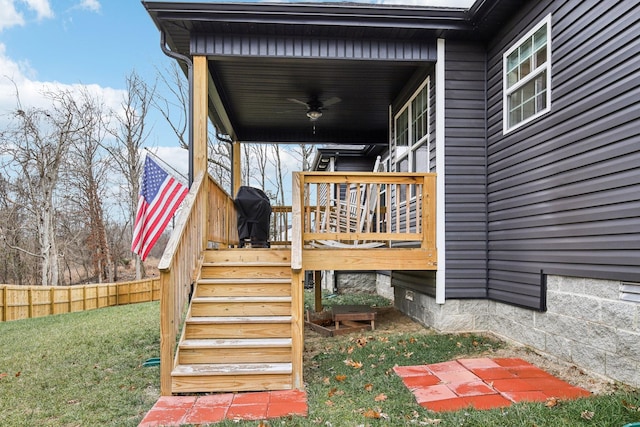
(210,409)
(483,383)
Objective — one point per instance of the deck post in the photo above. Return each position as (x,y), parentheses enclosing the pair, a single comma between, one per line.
(297,327)
(236,167)
(200,113)
(167,335)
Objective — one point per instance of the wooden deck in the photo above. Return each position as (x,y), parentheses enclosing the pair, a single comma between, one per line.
(243,325)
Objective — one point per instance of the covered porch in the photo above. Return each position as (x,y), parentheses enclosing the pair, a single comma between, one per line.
(280,75)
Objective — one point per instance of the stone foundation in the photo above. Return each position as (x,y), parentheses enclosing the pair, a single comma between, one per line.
(586,324)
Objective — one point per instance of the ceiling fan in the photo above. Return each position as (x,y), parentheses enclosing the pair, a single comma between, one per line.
(315,106)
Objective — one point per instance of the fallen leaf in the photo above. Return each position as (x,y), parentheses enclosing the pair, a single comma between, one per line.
(368,387)
(408,354)
(353,364)
(332,392)
(383,339)
(432,421)
(587,415)
(18,374)
(381,397)
(551,402)
(326,381)
(629,406)
(458,344)
(475,343)
(370,413)
(4,374)
(328,403)
(412,340)
(350,350)
(341,378)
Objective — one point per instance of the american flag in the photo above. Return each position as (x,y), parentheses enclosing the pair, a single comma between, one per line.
(160,196)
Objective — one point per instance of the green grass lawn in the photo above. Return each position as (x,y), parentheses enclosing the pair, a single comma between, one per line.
(85,369)
(80,369)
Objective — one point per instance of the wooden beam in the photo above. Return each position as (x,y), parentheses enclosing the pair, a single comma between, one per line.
(236,167)
(200,113)
(369,259)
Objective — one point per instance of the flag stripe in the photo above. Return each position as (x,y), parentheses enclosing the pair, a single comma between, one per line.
(160,196)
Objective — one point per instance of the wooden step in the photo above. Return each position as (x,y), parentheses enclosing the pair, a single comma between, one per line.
(231,377)
(245,271)
(238,327)
(248,256)
(212,351)
(243,287)
(241,306)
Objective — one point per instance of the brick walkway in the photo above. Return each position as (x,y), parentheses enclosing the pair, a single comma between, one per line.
(179,410)
(448,386)
(483,384)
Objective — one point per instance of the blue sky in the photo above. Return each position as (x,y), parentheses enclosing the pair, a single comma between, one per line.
(68,43)
(88,42)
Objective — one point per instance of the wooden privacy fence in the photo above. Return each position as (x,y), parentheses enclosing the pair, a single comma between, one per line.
(24,302)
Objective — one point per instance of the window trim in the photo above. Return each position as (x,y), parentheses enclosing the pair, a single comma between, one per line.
(407,151)
(506,92)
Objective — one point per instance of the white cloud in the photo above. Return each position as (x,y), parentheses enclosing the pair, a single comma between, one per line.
(91,5)
(19,78)
(41,7)
(11,15)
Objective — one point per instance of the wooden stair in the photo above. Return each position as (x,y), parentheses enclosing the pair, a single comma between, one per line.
(238,332)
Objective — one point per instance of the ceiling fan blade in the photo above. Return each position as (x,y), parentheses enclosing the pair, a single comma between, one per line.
(331,101)
(297,101)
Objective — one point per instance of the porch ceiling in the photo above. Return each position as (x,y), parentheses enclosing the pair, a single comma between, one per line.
(263,55)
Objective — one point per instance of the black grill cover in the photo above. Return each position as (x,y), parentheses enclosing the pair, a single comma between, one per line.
(254,214)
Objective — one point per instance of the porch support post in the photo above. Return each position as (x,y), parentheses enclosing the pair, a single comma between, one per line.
(317,286)
(236,167)
(440,170)
(297,326)
(200,114)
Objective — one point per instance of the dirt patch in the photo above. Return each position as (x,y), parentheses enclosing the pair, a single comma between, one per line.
(389,320)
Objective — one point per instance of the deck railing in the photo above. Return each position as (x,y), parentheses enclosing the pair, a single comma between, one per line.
(362,210)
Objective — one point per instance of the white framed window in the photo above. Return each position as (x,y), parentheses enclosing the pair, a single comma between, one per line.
(411,132)
(526,77)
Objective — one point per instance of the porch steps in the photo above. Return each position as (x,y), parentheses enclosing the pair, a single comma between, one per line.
(238,332)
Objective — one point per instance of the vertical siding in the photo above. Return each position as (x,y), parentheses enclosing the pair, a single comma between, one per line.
(564,190)
(465,164)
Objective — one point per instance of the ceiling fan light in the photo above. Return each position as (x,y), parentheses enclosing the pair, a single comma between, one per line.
(314,114)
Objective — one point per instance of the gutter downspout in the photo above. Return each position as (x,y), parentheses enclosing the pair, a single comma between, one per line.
(187,60)
(440,169)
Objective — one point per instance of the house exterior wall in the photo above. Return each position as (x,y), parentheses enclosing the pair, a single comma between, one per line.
(562,195)
(465,169)
(564,189)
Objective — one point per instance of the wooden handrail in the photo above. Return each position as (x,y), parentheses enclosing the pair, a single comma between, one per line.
(177,266)
(363,207)
(208,217)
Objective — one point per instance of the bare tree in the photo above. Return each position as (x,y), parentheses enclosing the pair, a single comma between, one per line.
(36,142)
(130,134)
(305,152)
(278,181)
(87,175)
(175,110)
(260,161)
